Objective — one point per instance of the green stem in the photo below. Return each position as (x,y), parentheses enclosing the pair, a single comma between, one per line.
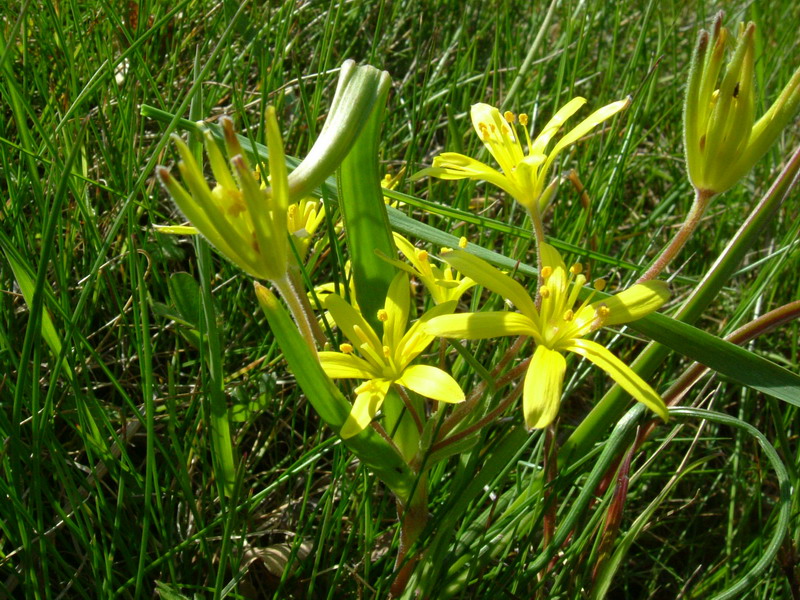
(410,407)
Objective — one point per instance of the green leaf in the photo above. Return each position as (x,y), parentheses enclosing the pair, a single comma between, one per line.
(185,294)
(733,361)
(364,212)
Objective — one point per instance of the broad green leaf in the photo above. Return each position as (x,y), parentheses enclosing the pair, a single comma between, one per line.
(185,294)
(365,220)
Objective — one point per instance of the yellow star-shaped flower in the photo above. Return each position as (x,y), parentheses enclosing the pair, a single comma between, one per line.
(385,361)
(556,326)
(523,176)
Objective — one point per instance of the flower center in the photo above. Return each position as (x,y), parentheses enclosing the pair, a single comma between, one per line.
(559,321)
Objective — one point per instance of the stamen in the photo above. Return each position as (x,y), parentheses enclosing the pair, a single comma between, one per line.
(546,272)
(576,269)
(509,116)
(568,315)
(383,316)
(544,291)
(462,242)
(346,348)
(575,290)
(387,351)
(601,314)
(599,284)
(422,256)
(484,132)
(523,119)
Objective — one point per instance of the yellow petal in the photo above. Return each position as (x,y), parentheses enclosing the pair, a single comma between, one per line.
(557,281)
(497,136)
(345,366)
(347,318)
(541,396)
(621,373)
(482,325)
(176,229)
(634,303)
(486,275)
(589,123)
(417,337)
(200,208)
(554,124)
(397,307)
(451,165)
(431,382)
(368,401)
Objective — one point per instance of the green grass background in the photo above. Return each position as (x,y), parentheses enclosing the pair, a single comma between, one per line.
(106,470)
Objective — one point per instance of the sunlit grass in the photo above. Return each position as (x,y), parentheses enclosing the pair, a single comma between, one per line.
(106,381)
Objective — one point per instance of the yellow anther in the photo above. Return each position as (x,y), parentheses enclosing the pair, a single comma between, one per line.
(383,315)
(462,242)
(484,132)
(603,311)
(509,116)
(445,250)
(387,351)
(523,119)
(599,284)
(544,291)
(576,269)
(422,256)
(346,348)
(546,272)
(568,315)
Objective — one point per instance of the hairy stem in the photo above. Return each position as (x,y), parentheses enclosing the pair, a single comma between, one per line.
(672,249)
(466,407)
(301,311)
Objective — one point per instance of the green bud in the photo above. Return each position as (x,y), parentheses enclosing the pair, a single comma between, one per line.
(722,139)
(356,93)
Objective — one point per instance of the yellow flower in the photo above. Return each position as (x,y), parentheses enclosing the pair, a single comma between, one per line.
(385,361)
(441,282)
(304,217)
(556,326)
(246,223)
(523,176)
(389,182)
(723,141)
